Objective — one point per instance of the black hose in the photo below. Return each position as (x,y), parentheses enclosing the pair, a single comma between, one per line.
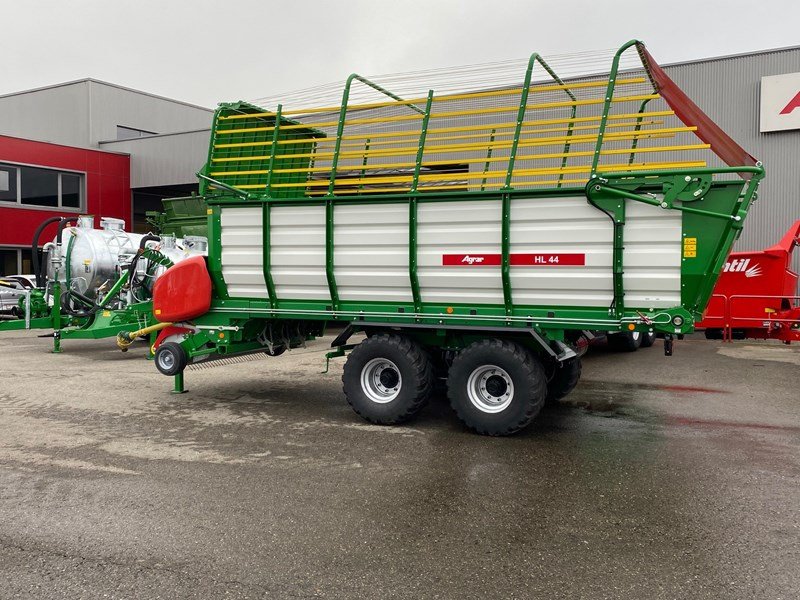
(150,237)
(68,307)
(61,225)
(35,259)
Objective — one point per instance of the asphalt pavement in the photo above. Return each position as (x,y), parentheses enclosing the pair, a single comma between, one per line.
(657,478)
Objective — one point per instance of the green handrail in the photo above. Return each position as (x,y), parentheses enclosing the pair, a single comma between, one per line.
(343,116)
(612,78)
(523,105)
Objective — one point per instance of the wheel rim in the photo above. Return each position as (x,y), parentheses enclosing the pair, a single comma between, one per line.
(381,380)
(636,335)
(166,360)
(490,389)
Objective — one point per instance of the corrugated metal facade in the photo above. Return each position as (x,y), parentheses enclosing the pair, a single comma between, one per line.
(728,90)
(86,112)
(164,160)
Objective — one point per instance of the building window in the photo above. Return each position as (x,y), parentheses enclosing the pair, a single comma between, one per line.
(46,188)
(127,133)
(16,261)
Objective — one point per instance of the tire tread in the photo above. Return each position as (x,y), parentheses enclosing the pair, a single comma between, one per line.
(419,363)
(534,373)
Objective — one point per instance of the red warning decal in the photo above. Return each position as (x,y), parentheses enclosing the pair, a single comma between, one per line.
(516,260)
(547,260)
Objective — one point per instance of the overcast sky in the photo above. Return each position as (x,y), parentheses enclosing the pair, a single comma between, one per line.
(207,52)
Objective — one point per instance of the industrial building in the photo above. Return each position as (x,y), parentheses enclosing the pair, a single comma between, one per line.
(96,147)
(63,152)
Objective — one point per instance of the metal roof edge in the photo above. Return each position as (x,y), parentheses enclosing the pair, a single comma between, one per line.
(109,84)
(731,56)
(156,135)
(86,148)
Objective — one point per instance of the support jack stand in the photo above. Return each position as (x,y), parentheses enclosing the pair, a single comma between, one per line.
(179,389)
(668,344)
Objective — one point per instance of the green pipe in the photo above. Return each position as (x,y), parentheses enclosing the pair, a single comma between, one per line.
(230,188)
(67,260)
(421,147)
(384,91)
(267,254)
(612,78)
(211,142)
(412,254)
(637,129)
(274,148)
(757,170)
(523,105)
(329,268)
(121,280)
(488,159)
(343,117)
(505,269)
(364,162)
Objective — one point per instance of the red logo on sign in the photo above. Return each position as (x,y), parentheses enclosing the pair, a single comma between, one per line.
(793,103)
(516,260)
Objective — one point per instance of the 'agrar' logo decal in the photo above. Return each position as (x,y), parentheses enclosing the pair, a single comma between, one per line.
(473,260)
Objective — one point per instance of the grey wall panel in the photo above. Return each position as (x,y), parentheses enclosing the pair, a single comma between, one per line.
(163,160)
(57,114)
(728,90)
(112,106)
(86,112)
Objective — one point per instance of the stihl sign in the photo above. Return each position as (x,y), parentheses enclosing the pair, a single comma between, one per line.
(515,260)
(780,102)
(742,265)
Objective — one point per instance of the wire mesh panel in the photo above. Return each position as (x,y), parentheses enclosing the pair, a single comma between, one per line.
(510,125)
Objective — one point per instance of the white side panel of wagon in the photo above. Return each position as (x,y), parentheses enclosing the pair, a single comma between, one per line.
(555,230)
(297,252)
(371,252)
(242,252)
(652,256)
(468,229)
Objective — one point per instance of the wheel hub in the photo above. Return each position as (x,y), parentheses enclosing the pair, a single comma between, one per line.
(166,360)
(381,380)
(490,389)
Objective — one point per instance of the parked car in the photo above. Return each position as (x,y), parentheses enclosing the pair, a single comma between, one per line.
(12,287)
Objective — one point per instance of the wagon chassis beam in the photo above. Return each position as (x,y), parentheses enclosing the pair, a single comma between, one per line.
(555,349)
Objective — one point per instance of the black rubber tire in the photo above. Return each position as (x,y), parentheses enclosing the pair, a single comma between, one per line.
(526,374)
(415,371)
(627,341)
(170,358)
(648,339)
(713,334)
(566,377)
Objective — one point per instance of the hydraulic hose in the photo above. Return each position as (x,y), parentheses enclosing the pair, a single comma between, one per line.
(150,237)
(37,265)
(68,308)
(61,225)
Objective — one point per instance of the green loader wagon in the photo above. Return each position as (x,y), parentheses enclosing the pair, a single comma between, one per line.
(474,235)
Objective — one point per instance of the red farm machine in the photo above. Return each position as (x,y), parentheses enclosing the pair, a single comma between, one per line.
(756,296)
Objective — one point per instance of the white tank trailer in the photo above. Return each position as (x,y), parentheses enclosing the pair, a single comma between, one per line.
(91,259)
